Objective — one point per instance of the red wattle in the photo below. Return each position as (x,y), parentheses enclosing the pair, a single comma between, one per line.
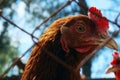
(117,76)
(83,49)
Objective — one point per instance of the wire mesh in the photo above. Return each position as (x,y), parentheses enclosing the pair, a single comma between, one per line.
(74,70)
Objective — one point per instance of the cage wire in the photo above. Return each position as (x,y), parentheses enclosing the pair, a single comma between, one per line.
(33,37)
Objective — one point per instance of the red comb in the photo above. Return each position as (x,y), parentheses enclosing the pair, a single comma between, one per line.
(95,11)
(95,15)
(116,57)
(113,62)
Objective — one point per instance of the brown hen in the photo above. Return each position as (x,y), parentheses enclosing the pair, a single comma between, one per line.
(70,39)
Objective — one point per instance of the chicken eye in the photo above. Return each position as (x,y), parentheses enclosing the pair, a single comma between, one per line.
(81,28)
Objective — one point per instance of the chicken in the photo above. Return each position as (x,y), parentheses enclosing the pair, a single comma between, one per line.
(71,39)
(115,65)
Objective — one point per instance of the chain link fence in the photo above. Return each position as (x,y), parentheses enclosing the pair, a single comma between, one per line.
(34,38)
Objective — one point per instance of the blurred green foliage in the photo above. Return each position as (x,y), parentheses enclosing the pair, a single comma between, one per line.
(7,51)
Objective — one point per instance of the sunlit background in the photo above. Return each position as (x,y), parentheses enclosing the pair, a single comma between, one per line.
(28,14)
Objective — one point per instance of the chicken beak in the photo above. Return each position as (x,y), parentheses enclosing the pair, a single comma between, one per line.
(112,44)
(110,69)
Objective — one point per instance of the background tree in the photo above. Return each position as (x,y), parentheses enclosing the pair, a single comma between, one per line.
(7,50)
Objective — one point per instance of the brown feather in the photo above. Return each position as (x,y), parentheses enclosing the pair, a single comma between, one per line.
(40,66)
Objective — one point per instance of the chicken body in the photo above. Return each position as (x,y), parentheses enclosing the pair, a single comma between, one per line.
(70,39)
